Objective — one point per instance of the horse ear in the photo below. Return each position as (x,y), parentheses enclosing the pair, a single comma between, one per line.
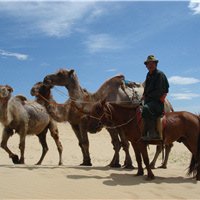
(10,89)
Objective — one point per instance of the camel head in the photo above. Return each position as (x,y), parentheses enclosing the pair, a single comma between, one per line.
(5,91)
(63,77)
(41,89)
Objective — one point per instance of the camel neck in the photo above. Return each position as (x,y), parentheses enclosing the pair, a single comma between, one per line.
(3,110)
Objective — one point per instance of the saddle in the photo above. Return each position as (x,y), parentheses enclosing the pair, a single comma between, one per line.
(160,122)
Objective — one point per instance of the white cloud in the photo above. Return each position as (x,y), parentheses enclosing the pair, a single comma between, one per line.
(184,96)
(194,5)
(50,18)
(18,56)
(111,70)
(178,80)
(102,42)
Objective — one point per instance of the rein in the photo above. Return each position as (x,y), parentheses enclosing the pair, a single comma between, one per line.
(49,102)
(119,125)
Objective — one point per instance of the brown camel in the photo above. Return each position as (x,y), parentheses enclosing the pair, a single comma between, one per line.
(25,118)
(113,90)
(65,112)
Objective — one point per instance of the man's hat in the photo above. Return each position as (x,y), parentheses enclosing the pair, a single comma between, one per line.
(151,58)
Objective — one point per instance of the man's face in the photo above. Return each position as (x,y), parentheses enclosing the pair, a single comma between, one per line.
(151,66)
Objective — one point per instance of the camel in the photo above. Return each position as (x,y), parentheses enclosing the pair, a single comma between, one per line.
(113,90)
(65,112)
(17,115)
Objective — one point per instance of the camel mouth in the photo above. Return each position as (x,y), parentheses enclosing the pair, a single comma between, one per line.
(47,82)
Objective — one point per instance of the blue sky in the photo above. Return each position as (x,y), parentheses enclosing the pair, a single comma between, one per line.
(100,39)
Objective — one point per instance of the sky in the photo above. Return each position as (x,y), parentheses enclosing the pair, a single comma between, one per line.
(100,39)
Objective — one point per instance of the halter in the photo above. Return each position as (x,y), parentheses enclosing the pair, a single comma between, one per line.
(108,110)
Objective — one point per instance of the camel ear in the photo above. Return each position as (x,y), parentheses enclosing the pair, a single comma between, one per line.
(103,101)
(10,89)
(71,72)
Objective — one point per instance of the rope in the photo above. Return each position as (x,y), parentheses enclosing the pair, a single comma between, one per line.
(83,101)
(120,125)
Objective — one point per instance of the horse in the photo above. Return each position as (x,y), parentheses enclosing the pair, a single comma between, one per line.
(180,126)
(113,90)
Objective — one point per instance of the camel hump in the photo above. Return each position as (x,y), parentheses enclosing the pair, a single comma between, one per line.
(120,76)
(21,98)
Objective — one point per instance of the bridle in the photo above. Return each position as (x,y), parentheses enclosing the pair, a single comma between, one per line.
(108,111)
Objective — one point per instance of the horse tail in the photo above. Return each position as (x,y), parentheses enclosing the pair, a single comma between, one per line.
(195,160)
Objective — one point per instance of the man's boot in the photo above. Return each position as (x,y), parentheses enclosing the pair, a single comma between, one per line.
(145,133)
(149,130)
(153,133)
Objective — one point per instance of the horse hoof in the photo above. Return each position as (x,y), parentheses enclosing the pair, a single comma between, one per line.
(162,167)
(140,174)
(149,178)
(15,159)
(152,166)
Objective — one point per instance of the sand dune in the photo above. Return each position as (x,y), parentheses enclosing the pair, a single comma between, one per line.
(71,181)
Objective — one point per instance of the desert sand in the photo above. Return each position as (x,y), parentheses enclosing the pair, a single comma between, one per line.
(71,181)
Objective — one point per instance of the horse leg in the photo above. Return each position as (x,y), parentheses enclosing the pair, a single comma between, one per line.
(138,157)
(43,142)
(143,150)
(125,145)
(84,145)
(167,151)
(153,162)
(7,133)
(54,133)
(116,146)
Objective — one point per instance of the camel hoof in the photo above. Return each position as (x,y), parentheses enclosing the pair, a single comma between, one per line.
(15,159)
(115,165)
(129,167)
(86,164)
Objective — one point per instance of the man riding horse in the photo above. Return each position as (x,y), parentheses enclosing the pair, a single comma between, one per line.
(155,90)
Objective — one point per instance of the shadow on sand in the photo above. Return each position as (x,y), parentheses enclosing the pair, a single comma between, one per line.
(109,179)
(127,179)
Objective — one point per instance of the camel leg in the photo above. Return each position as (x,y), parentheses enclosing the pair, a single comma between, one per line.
(167,151)
(54,133)
(116,146)
(138,157)
(7,133)
(43,142)
(125,145)
(83,143)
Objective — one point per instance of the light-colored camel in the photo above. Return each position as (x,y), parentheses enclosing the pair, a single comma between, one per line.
(113,90)
(68,112)
(18,115)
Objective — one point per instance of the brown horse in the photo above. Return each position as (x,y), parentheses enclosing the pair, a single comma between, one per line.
(179,126)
